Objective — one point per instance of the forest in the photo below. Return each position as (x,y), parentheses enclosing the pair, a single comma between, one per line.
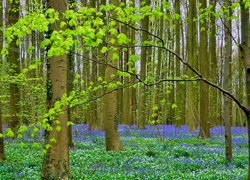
(124,89)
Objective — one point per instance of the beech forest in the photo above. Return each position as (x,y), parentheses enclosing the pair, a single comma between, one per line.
(124,89)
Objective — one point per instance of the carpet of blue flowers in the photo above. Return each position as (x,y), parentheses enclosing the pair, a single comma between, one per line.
(157,152)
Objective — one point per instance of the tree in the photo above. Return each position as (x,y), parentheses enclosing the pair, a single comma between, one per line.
(191,114)
(112,139)
(228,59)
(56,158)
(2,150)
(14,62)
(143,66)
(178,67)
(204,94)
(245,56)
(213,67)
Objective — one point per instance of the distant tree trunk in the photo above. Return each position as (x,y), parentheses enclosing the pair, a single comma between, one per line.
(13,16)
(191,111)
(204,93)
(228,59)
(94,122)
(112,138)
(127,105)
(213,67)
(133,79)
(178,67)
(2,151)
(245,56)
(70,86)
(143,63)
(158,87)
(56,159)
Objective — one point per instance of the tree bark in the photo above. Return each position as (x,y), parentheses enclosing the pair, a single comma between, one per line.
(2,150)
(13,16)
(143,63)
(112,138)
(228,59)
(213,67)
(191,111)
(204,93)
(56,159)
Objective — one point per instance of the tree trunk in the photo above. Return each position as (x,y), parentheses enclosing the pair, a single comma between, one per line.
(245,56)
(213,68)
(191,111)
(127,105)
(143,63)
(56,158)
(2,151)
(13,17)
(228,58)
(204,93)
(178,67)
(112,139)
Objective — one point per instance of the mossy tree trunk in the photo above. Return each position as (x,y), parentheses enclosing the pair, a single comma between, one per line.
(2,150)
(112,138)
(143,66)
(214,114)
(191,111)
(56,159)
(13,16)
(228,59)
(204,93)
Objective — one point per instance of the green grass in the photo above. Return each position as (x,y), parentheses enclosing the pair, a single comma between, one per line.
(143,158)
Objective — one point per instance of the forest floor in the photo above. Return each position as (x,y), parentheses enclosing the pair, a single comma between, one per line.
(157,152)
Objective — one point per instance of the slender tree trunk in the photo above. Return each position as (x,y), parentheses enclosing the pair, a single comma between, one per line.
(70,75)
(204,93)
(191,111)
(143,63)
(70,71)
(133,79)
(56,158)
(112,138)
(127,105)
(178,67)
(213,67)
(228,58)
(2,151)
(13,16)
(245,56)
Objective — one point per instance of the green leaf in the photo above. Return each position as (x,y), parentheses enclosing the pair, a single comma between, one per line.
(174,106)
(53,140)
(35,145)
(104,49)
(9,133)
(21,144)
(69,123)
(47,146)
(100,79)
(115,56)
(22,128)
(58,128)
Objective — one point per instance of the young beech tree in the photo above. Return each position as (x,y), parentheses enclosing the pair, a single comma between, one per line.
(191,114)
(228,59)
(2,151)
(56,158)
(13,16)
(112,139)
(204,94)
